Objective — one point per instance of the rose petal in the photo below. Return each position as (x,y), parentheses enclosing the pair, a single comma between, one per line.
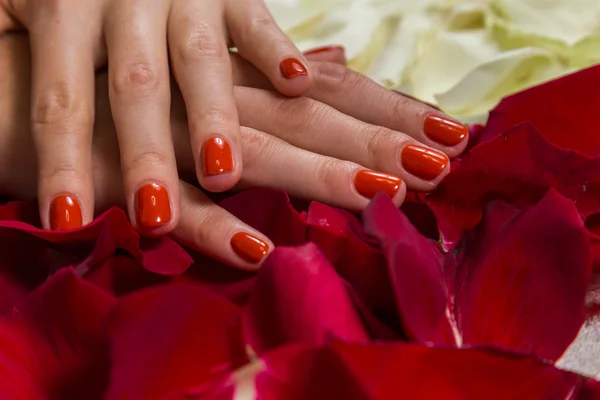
(563,110)
(167,338)
(339,235)
(415,267)
(485,174)
(53,343)
(522,282)
(298,298)
(386,371)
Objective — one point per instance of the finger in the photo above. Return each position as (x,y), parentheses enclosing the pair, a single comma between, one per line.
(260,41)
(314,126)
(201,64)
(140,102)
(339,87)
(62,114)
(274,163)
(208,228)
(334,54)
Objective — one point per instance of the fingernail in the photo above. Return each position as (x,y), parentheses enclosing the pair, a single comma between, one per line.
(153,206)
(291,68)
(368,183)
(217,158)
(65,213)
(248,247)
(422,162)
(324,49)
(444,131)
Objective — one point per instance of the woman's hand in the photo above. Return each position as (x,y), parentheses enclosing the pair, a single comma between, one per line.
(313,150)
(144,41)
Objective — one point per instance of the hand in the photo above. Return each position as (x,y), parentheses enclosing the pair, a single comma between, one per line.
(270,161)
(141,39)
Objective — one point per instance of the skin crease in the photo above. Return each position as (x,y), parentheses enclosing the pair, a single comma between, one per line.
(270,160)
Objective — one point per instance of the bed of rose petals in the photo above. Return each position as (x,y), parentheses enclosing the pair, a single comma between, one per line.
(346,307)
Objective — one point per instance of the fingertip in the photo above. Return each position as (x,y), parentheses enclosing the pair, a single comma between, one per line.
(250,248)
(335,54)
(293,78)
(155,209)
(220,166)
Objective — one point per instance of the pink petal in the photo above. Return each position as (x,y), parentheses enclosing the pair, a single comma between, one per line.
(416,270)
(522,281)
(53,343)
(392,371)
(563,110)
(168,338)
(299,298)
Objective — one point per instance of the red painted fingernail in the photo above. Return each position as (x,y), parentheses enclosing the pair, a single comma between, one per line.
(65,213)
(291,68)
(368,183)
(248,247)
(217,158)
(153,206)
(423,162)
(444,131)
(324,49)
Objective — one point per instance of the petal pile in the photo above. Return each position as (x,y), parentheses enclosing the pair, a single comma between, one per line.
(346,306)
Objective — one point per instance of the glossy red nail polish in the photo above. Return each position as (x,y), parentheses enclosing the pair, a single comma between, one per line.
(423,162)
(291,68)
(368,183)
(248,247)
(153,206)
(65,213)
(444,131)
(216,156)
(324,49)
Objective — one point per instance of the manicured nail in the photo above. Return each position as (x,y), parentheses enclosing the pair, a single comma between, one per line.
(324,49)
(248,247)
(65,213)
(422,162)
(368,183)
(291,68)
(153,206)
(444,130)
(217,158)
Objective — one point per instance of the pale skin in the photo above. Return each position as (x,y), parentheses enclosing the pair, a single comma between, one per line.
(313,146)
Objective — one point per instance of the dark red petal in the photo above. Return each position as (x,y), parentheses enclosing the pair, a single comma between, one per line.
(168,338)
(268,211)
(563,110)
(53,343)
(392,371)
(519,167)
(299,298)
(588,390)
(523,279)
(339,235)
(416,270)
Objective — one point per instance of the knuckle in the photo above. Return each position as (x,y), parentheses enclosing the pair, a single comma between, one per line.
(137,78)
(143,158)
(60,105)
(206,222)
(211,117)
(294,111)
(326,173)
(62,170)
(335,77)
(257,25)
(254,147)
(377,139)
(202,43)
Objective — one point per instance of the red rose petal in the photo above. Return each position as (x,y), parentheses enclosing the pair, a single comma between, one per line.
(519,167)
(298,298)
(53,344)
(523,278)
(167,338)
(416,271)
(340,237)
(563,110)
(391,371)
